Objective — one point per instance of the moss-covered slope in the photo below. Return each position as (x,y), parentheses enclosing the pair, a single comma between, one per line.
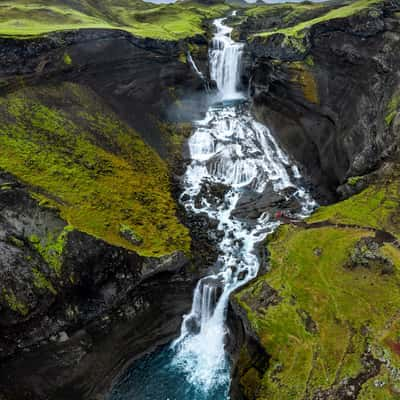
(327,312)
(294,20)
(168,22)
(76,156)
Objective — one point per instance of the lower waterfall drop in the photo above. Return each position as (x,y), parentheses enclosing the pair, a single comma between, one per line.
(228,147)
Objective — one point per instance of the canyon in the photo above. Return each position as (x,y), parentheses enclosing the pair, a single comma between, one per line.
(91,283)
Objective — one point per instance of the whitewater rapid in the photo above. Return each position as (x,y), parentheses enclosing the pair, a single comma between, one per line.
(228,147)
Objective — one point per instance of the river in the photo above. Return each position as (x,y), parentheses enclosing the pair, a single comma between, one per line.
(232,151)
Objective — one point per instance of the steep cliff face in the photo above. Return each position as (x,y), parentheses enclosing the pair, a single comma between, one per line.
(95,264)
(89,238)
(74,308)
(328,88)
(144,80)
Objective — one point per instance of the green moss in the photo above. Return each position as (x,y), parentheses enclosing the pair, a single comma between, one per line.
(14,304)
(296,33)
(380,388)
(182,58)
(342,303)
(5,186)
(175,135)
(41,282)
(288,12)
(392,108)
(81,160)
(51,248)
(375,207)
(309,61)
(353,180)
(328,311)
(166,21)
(67,59)
(16,242)
(302,75)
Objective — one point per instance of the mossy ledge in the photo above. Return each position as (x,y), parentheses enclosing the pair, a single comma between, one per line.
(78,157)
(333,329)
(23,18)
(295,34)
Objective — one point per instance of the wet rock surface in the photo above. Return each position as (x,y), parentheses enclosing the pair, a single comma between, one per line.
(251,206)
(312,97)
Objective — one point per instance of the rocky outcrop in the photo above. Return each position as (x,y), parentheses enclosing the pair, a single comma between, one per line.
(145,81)
(331,95)
(74,309)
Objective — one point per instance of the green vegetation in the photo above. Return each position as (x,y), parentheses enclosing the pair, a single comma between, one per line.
(328,308)
(67,59)
(78,158)
(51,248)
(13,303)
(353,180)
(41,282)
(375,207)
(328,315)
(166,21)
(175,135)
(289,11)
(392,108)
(295,34)
(301,74)
(309,61)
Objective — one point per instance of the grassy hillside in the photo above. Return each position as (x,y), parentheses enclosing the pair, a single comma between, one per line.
(79,158)
(293,20)
(298,30)
(289,11)
(333,317)
(169,22)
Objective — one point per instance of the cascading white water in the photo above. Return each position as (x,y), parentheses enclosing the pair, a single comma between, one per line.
(194,66)
(225,56)
(228,147)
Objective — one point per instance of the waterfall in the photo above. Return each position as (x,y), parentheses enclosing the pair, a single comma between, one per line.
(231,148)
(194,66)
(225,56)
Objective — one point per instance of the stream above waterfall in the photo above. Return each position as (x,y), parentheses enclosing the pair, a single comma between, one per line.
(255,179)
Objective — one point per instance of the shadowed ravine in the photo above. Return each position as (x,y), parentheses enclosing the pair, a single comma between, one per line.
(230,151)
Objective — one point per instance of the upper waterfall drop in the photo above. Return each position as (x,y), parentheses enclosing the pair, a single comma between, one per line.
(225,61)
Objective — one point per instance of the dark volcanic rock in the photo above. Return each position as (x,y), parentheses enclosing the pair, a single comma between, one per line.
(72,315)
(213,192)
(327,100)
(251,205)
(140,78)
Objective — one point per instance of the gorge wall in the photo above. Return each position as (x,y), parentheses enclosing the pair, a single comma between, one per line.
(329,93)
(91,275)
